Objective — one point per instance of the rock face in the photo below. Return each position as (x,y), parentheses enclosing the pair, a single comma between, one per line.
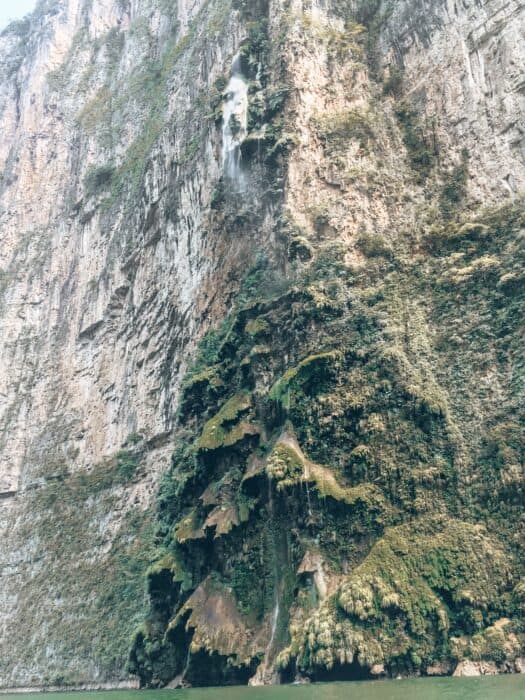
(110,270)
(261,365)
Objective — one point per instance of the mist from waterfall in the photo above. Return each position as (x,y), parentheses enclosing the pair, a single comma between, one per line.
(235,126)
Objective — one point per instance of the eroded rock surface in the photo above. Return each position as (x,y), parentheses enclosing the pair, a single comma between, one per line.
(239,406)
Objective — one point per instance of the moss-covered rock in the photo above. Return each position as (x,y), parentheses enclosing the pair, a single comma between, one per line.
(305,371)
(225,428)
(419,586)
(285,466)
(370,453)
(361,401)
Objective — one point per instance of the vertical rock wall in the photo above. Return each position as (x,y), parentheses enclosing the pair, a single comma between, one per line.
(372,128)
(111,267)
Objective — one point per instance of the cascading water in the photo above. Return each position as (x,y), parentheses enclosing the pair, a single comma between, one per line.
(265,675)
(308,501)
(320,582)
(235,126)
(187,664)
(180,681)
(275,620)
(276,581)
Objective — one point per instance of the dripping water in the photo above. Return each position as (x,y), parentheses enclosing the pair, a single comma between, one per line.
(276,609)
(320,582)
(264,674)
(187,664)
(308,501)
(181,681)
(275,620)
(235,126)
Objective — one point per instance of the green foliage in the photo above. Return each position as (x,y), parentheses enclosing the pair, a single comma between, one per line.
(337,130)
(393,84)
(392,607)
(209,349)
(285,466)
(495,643)
(326,413)
(454,189)
(311,368)
(98,179)
(374,245)
(419,140)
(223,430)
(134,438)
(276,98)
(127,465)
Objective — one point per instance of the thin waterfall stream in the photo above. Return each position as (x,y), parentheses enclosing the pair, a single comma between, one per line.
(235,126)
(276,574)
(275,619)
(308,501)
(264,674)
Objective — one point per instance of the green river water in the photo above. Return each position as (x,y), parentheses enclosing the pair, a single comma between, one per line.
(510,687)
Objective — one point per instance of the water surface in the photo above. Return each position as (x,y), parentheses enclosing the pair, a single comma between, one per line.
(511,687)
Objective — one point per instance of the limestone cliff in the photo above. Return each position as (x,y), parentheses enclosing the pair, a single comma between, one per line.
(261,361)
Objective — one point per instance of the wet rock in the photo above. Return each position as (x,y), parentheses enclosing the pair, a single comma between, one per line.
(469,668)
(442,668)
(378,670)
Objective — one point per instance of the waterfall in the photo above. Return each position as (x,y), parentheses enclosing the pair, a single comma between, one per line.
(180,680)
(320,582)
(265,675)
(234,126)
(275,620)
(276,581)
(308,501)
(187,664)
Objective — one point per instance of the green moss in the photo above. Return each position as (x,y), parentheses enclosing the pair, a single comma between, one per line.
(337,130)
(306,370)
(257,327)
(328,487)
(166,565)
(209,375)
(285,466)
(224,429)
(189,527)
(98,179)
(397,606)
(419,138)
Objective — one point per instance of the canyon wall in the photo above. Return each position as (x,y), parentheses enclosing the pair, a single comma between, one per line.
(261,409)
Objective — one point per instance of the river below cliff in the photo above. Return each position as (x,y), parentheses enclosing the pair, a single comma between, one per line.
(511,687)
